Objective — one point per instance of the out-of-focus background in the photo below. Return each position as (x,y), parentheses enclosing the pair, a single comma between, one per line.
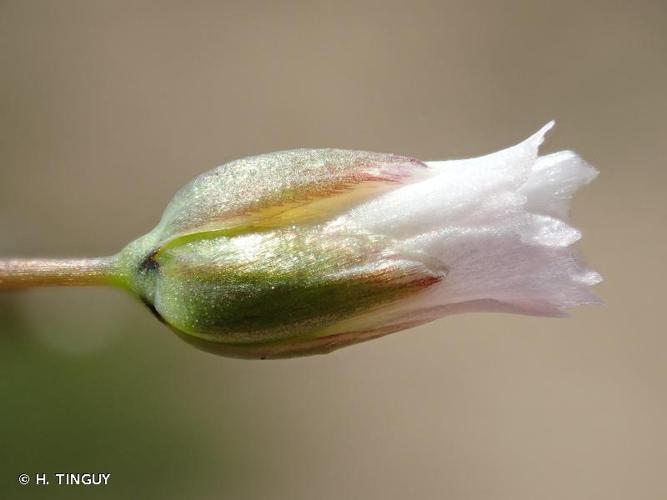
(108,107)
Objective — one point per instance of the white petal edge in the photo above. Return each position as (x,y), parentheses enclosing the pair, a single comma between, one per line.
(495,226)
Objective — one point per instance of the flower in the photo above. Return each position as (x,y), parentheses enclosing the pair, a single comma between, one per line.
(305,251)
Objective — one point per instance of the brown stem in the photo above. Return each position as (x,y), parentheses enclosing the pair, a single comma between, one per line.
(22,273)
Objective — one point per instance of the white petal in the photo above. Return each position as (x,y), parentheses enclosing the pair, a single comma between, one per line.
(494,227)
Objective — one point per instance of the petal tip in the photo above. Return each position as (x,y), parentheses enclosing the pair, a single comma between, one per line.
(541,133)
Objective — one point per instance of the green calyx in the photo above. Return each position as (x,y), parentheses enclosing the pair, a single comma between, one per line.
(259,291)
(245,262)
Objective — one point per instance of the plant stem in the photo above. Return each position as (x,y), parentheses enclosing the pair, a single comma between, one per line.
(23,273)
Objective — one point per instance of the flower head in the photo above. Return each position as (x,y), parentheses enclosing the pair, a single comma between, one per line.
(305,251)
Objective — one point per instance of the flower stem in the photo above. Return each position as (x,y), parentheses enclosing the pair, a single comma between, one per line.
(23,273)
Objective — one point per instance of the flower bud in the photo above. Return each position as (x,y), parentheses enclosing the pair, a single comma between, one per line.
(305,251)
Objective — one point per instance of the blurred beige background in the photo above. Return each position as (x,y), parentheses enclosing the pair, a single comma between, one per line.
(108,107)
